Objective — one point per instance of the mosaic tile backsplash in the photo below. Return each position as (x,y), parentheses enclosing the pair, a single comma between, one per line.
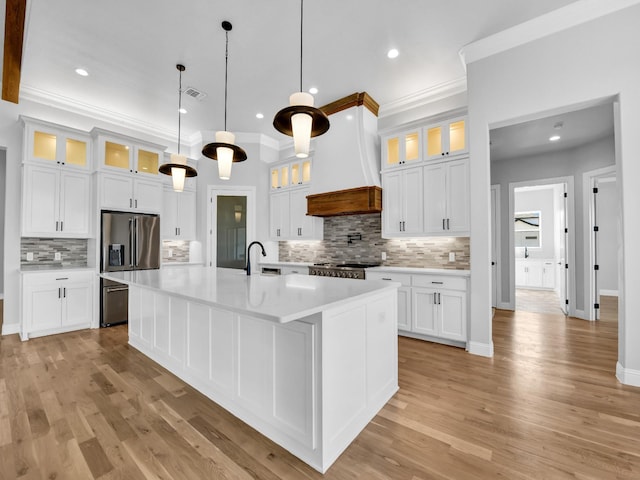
(179,250)
(430,252)
(73,251)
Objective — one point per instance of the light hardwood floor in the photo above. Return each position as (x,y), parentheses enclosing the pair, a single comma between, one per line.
(547,406)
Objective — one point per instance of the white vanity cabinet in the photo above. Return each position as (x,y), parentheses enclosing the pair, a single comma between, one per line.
(56,301)
(431,306)
(178,218)
(535,273)
(56,202)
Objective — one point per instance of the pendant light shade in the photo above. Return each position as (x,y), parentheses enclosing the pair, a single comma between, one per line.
(223,149)
(301,120)
(177,167)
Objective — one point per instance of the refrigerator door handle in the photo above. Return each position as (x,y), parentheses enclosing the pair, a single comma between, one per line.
(131,240)
(137,234)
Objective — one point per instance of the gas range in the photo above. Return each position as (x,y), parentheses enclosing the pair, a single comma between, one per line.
(341,270)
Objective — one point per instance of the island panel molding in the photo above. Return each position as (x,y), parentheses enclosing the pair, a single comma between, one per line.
(310,384)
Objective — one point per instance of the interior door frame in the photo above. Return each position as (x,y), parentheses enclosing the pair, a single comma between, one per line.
(213,192)
(496,271)
(570,254)
(589,181)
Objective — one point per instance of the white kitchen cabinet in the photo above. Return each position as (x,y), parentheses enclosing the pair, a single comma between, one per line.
(55,145)
(178,218)
(446,198)
(402,149)
(130,193)
(430,307)
(119,153)
(548,274)
(288,217)
(55,302)
(446,139)
(56,202)
(403,203)
(290,174)
(404,295)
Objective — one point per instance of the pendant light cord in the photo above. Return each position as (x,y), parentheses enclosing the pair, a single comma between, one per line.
(226,70)
(301,17)
(179,107)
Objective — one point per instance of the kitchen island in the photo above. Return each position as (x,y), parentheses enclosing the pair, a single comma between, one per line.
(306,361)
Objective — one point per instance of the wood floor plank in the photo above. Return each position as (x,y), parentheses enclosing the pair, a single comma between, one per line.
(546,406)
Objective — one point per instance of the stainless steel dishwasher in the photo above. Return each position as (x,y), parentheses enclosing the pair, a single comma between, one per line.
(115,303)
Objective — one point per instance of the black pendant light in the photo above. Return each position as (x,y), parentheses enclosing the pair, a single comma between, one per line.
(223,149)
(301,120)
(177,167)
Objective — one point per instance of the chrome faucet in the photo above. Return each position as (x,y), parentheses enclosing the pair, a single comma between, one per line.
(264,254)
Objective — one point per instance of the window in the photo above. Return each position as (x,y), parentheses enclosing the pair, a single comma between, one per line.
(527,229)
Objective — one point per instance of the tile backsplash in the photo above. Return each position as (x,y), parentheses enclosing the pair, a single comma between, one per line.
(175,251)
(432,252)
(73,251)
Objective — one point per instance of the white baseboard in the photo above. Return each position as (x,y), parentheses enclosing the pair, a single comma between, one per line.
(10,329)
(609,293)
(482,349)
(505,306)
(581,315)
(627,375)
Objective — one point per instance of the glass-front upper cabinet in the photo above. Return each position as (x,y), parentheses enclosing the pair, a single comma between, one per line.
(127,155)
(56,145)
(401,149)
(300,172)
(447,138)
(290,174)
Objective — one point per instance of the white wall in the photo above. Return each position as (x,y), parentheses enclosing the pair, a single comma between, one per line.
(566,163)
(592,61)
(538,200)
(607,197)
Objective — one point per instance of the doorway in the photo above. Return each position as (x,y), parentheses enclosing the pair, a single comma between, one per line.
(540,245)
(230,225)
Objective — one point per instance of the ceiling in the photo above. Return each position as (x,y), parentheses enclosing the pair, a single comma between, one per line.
(131,48)
(574,128)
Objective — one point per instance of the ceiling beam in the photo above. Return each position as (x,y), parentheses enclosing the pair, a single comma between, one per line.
(13,39)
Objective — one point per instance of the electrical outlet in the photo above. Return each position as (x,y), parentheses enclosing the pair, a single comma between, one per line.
(452,256)
(57,256)
(384,255)
(170,253)
(29,256)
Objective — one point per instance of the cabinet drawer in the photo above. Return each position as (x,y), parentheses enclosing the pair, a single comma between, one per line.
(403,278)
(446,282)
(40,278)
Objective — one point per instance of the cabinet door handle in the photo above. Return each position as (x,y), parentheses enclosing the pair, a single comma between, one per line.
(448,224)
(64,292)
(61,225)
(437,283)
(59,293)
(130,202)
(384,278)
(63,278)
(443,224)
(179,231)
(136,200)
(57,226)
(176,231)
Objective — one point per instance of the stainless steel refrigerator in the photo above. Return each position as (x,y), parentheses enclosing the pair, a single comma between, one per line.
(130,241)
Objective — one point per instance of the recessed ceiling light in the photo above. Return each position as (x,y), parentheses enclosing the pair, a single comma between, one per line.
(349,117)
(554,138)
(182,110)
(313,90)
(393,53)
(82,72)
(259,115)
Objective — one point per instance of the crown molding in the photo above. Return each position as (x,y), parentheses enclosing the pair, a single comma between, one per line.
(571,15)
(424,97)
(73,106)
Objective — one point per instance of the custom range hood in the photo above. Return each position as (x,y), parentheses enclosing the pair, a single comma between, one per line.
(346,160)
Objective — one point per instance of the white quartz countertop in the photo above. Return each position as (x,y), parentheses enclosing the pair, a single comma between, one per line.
(423,271)
(34,268)
(279,298)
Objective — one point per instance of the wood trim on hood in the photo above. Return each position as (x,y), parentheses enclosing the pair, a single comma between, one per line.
(353,100)
(353,201)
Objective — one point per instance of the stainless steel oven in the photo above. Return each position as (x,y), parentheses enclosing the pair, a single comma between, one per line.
(341,270)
